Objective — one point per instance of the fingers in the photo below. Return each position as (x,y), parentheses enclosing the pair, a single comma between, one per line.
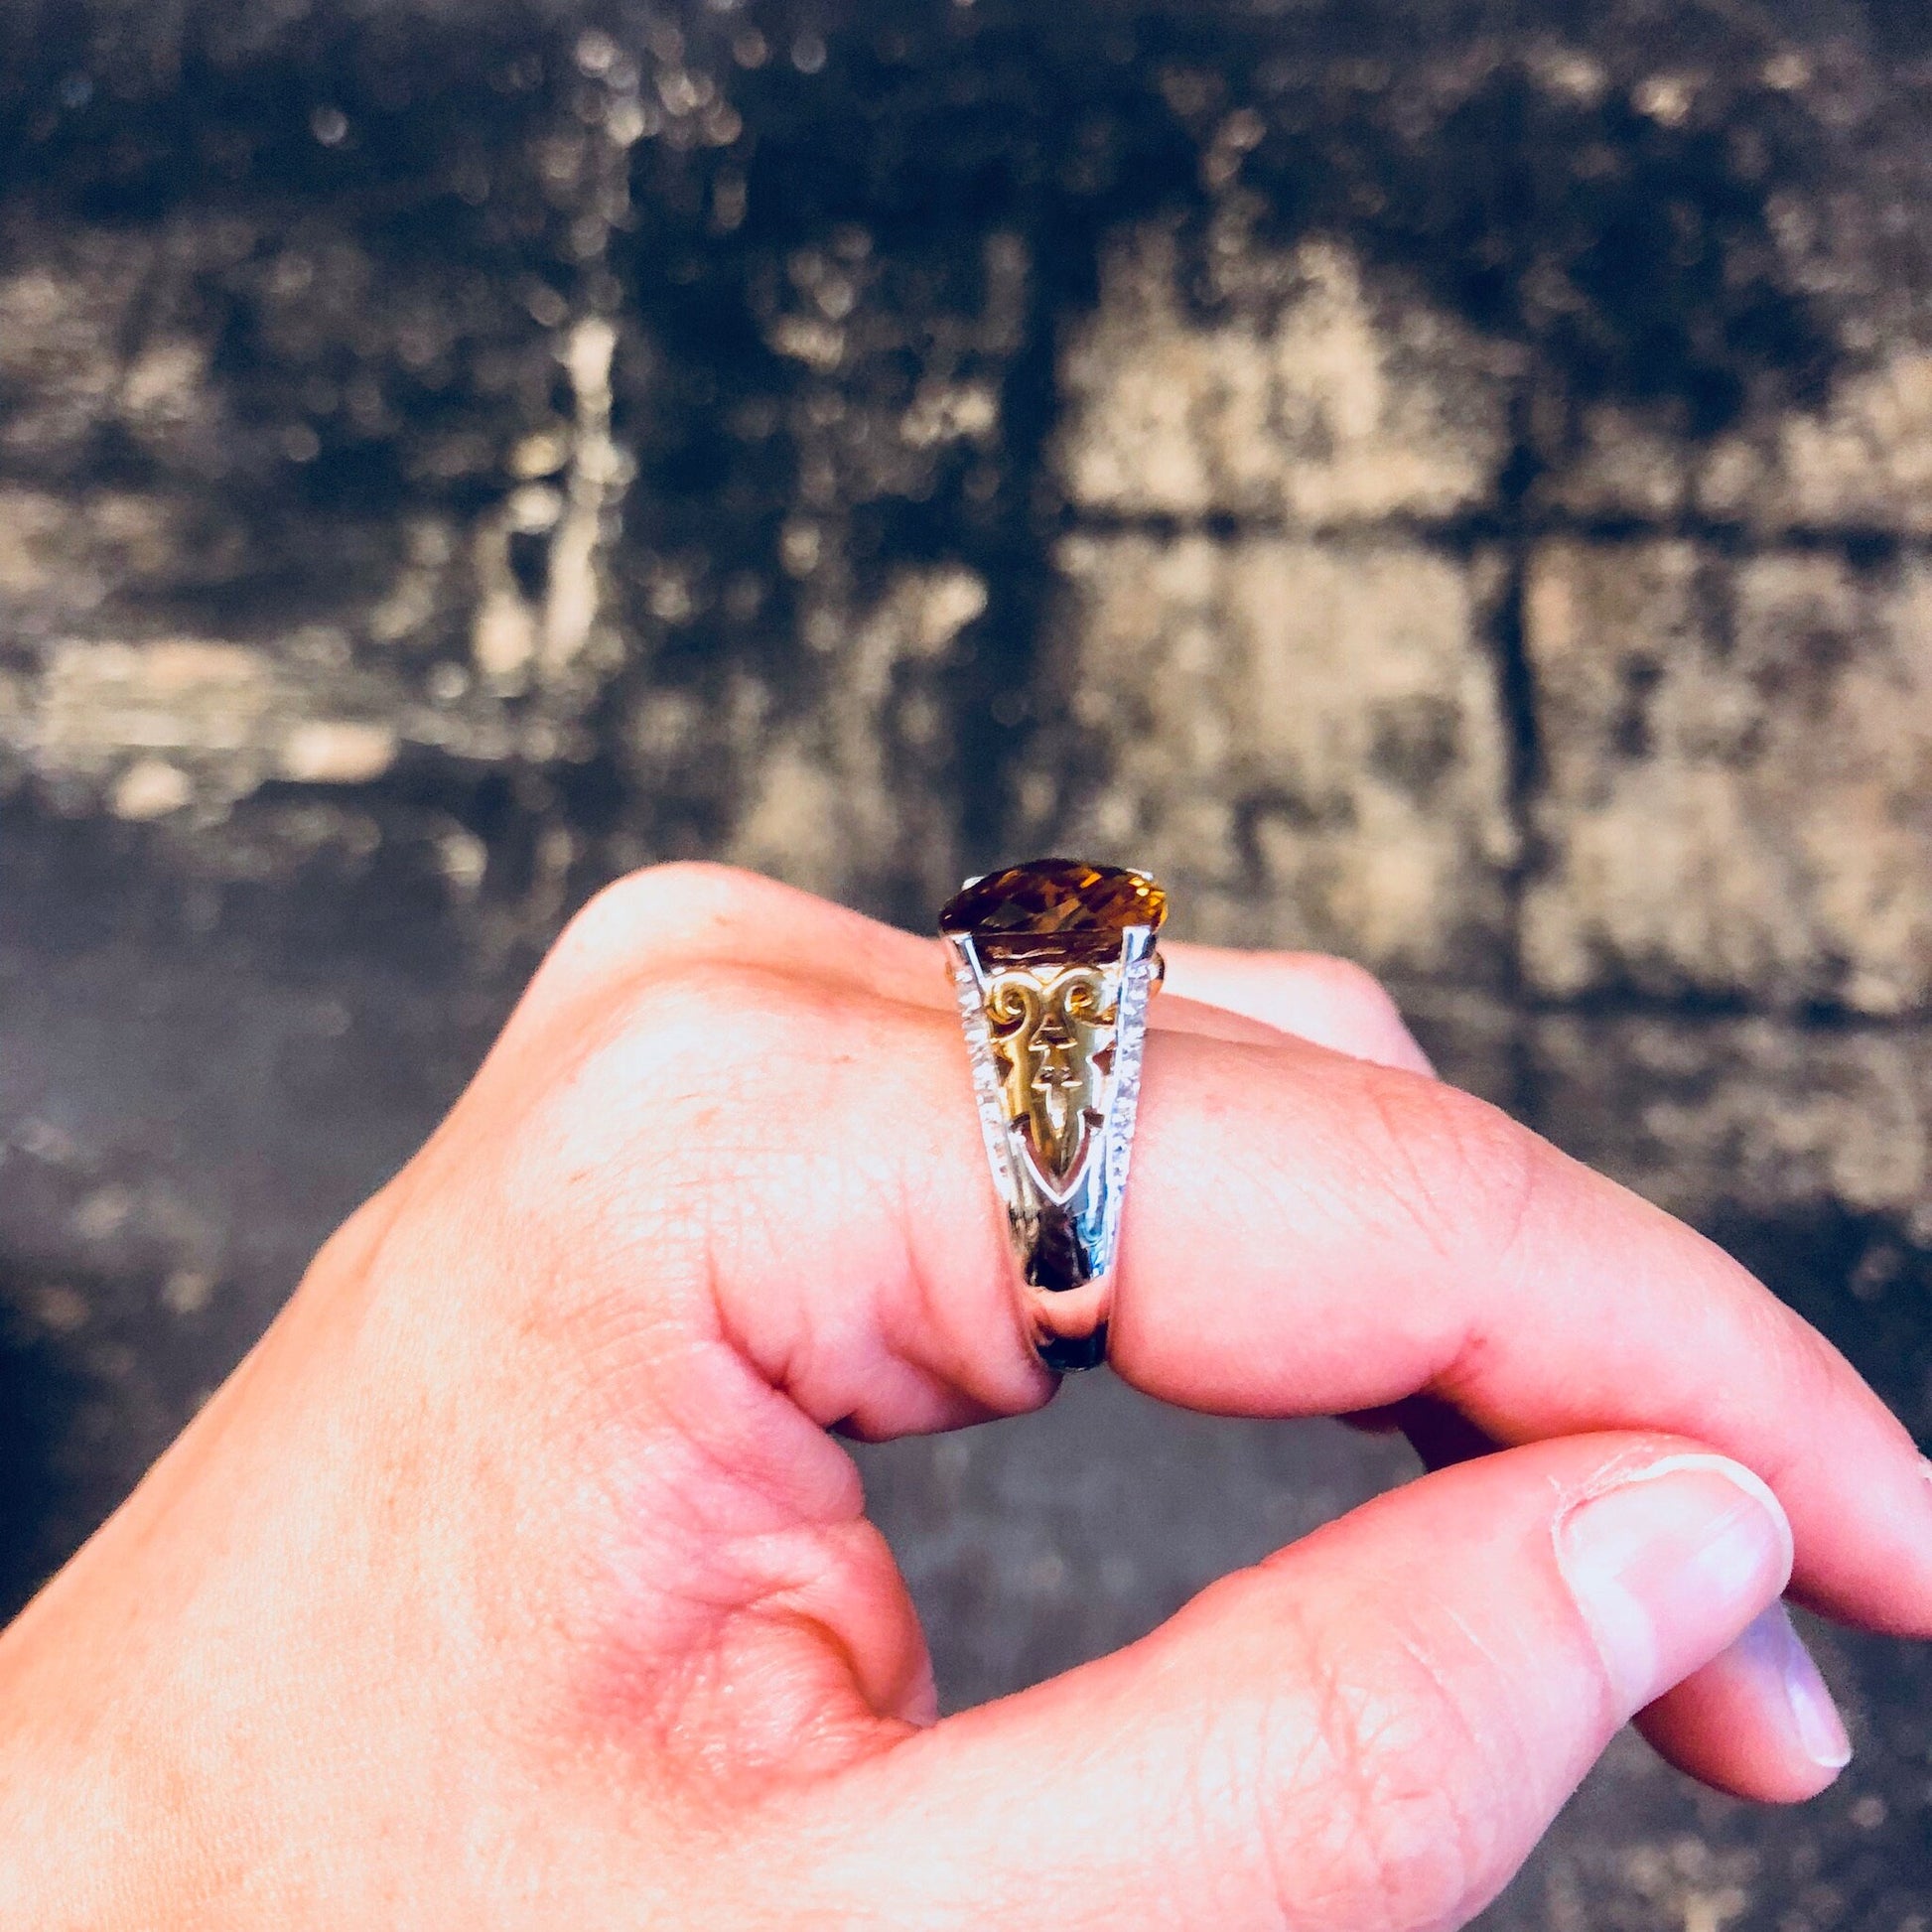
(1757,1720)
(1304,1233)
(691,912)
(1328,1000)
(1308,1234)
(1371,1729)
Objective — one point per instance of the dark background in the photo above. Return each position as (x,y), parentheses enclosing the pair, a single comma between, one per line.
(1449,484)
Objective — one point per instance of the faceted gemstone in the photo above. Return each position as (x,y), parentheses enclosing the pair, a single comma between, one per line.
(1056,899)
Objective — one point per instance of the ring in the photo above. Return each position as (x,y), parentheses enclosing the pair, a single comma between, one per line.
(1053,963)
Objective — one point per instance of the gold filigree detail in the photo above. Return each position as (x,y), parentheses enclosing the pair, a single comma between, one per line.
(1054,1039)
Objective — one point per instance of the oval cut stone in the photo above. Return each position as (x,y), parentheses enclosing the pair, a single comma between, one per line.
(1055,899)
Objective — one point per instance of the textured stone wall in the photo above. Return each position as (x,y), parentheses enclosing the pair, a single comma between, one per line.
(1450,486)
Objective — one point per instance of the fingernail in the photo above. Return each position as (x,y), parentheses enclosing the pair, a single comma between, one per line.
(1779,1653)
(1669,1562)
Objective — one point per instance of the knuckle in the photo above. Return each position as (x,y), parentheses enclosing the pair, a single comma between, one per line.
(1814,1373)
(667,1079)
(1459,1172)
(632,916)
(734,1009)
(701,1034)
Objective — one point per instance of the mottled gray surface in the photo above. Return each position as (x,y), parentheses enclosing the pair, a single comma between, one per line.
(1449,484)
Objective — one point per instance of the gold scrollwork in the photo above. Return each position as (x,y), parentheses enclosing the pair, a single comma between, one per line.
(1053,1032)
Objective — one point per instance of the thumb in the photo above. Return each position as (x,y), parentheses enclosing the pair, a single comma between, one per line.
(1369,1730)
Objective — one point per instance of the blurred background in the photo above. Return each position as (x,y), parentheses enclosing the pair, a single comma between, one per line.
(1448,483)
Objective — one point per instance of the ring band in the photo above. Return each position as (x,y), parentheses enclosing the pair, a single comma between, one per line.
(1053,963)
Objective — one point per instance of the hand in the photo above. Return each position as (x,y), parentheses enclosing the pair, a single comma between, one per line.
(515,1581)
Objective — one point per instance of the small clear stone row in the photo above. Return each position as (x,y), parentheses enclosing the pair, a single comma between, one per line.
(986,1081)
(1130,1034)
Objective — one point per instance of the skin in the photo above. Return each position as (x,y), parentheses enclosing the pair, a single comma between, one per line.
(518,1578)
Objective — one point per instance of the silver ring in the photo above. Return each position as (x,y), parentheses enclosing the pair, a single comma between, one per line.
(1053,963)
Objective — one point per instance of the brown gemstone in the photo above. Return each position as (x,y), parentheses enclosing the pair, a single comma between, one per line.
(1070,906)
